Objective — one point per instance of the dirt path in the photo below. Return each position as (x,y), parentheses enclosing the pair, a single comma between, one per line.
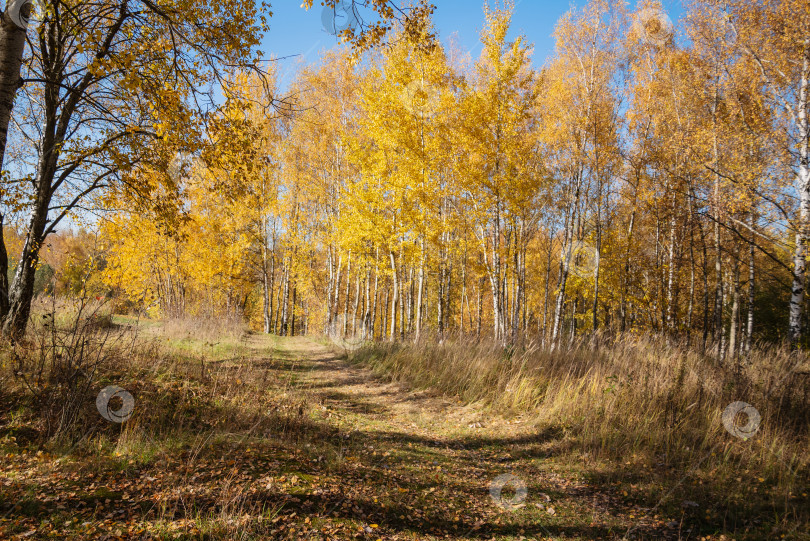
(288,440)
(436,464)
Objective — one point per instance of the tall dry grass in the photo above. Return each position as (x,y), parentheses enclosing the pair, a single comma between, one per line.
(631,396)
(54,368)
(73,348)
(226,327)
(189,408)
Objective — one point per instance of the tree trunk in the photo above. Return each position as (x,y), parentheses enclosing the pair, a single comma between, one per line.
(719,293)
(526,315)
(392,333)
(690,308)
(292,309)
(60,101)
(516,292)
(722,345)
(21,292)
(573,331)
(4,300)
(598,250)
(12,45)
(803,187)
(266,297)
(548,285)
(597,273)
(566,253)
(735,311)
(333,311)
(420,291)
(495,286)
(626,273)
(480,303)
(267,286)
(385,312)
(346,299)
(440,298)
(277,317)
(372,329)
(366,304)
(401,296)
(376,297)
(749,333)
(356,304)
(411,297)
(671,270)
(463,286)
(330,284)
(495,278)
(565,264)
(285,300)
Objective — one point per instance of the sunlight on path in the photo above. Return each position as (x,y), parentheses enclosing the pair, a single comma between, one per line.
(285,438)
(444,462)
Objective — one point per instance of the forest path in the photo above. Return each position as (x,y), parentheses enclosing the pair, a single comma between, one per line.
(418,465)
(284,438)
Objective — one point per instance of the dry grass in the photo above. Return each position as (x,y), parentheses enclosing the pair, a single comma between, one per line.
(227,327)
(69,345)
(191,410)
(641,400)
(227,421)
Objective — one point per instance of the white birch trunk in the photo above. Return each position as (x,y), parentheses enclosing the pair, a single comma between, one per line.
(803,188)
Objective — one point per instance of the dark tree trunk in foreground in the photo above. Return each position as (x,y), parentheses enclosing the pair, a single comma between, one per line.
(22,287)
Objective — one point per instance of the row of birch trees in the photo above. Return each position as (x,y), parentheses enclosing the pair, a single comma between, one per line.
(650,175)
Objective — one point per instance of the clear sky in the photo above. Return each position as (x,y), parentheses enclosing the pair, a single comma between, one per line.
(295,31)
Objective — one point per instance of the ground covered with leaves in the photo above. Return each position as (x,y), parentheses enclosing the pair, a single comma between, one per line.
(269,438)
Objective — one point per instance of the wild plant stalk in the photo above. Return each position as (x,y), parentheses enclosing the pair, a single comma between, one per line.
(58,361)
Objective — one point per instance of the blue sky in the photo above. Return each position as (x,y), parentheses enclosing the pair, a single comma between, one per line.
(300,33)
